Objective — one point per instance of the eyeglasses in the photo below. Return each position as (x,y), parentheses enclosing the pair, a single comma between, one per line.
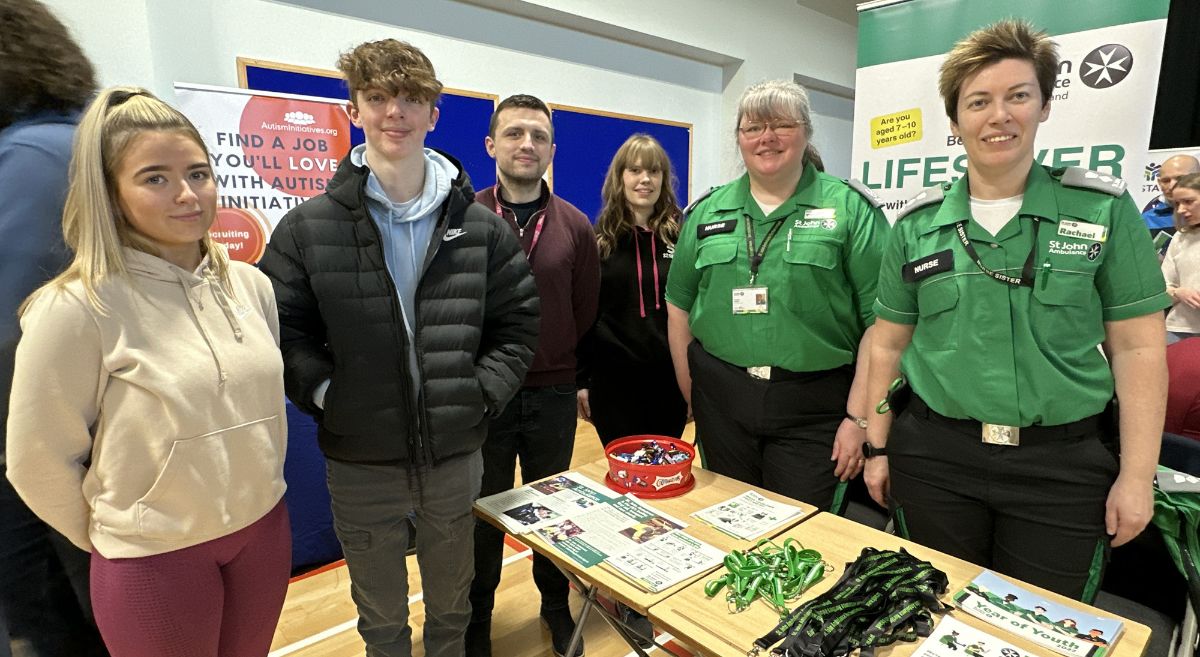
(782,128)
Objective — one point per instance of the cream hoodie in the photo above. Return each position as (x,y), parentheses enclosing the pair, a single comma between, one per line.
(158,424)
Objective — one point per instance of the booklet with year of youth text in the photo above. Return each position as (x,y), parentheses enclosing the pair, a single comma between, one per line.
(1065,629)
(748,515)
(641,543)
(545,502)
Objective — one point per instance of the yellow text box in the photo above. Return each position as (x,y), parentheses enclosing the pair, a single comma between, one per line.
(902,127)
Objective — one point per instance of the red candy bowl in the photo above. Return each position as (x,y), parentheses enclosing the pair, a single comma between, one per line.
(647,480)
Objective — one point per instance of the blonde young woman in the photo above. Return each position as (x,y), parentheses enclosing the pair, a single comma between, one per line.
(626,381)
(147,421)
(1181,266)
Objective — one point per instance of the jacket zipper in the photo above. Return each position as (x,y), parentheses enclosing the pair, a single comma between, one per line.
(415,422)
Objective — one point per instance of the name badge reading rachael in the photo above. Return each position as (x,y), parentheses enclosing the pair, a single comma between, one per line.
(750,300)
(1001,434)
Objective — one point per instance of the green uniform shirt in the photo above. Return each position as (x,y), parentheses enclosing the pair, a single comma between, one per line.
(998,353)
(820,271)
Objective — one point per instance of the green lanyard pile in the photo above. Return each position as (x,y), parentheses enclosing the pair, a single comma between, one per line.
(775,574)
(882,598)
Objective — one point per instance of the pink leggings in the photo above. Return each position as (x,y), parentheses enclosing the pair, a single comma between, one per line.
(220,598)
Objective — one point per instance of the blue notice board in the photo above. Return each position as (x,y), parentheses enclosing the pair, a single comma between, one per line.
(460,129)
(587,140)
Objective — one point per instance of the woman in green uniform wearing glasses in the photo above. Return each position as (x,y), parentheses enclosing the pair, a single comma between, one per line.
(774,275)
(994,293)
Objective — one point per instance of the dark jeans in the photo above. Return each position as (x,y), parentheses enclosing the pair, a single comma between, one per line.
(538,426)
(372,505)
(43,586)
(775,434)
(1033,511)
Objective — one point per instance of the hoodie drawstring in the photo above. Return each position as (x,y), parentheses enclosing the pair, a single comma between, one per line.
(637,246)
(222,299)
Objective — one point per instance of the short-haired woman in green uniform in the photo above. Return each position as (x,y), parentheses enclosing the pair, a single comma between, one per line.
(774,275)
(994,293)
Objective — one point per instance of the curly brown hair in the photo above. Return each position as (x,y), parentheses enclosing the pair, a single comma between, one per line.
(42,69)
(394,66)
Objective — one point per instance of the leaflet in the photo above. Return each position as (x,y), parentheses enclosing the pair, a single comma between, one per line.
(640,543)
(748,516)
(544,503)
(953,637)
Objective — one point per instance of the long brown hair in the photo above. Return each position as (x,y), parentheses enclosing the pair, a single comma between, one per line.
(616,218)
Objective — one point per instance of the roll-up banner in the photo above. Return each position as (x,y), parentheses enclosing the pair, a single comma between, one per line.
(1101,107)
(270,152)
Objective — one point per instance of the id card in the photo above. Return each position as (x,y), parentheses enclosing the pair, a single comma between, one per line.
(750,300)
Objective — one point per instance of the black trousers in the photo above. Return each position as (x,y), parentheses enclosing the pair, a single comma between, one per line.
(636,401)
(43,587)
(538,426)
(1033,511)
(775,434)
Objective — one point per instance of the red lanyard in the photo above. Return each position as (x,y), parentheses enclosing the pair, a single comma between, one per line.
(537,228)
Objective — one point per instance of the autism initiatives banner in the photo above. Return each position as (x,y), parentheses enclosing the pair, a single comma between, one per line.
(270,153)
(1100,111)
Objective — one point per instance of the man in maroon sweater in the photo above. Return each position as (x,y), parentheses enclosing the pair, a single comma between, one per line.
(538,425)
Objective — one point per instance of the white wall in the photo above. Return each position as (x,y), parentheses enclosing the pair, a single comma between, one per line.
(683,60)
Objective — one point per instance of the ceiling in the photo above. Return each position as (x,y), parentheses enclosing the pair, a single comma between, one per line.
(843,10)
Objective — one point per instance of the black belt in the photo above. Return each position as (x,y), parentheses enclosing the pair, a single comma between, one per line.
(1094,425)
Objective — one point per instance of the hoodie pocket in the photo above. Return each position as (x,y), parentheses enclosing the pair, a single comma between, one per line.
(214,481)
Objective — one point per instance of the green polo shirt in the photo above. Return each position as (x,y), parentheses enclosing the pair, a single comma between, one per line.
(994,352)
(820,271)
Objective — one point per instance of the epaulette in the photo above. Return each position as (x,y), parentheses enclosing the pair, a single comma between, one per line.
(866,192)
(1088,179)
(928,196)
(688,211)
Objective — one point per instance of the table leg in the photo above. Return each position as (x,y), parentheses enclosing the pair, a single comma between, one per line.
(590,602)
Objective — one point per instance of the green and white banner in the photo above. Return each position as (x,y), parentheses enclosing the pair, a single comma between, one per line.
(1101,110)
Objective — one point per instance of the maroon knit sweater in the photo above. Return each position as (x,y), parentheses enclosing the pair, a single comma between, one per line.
(566,268)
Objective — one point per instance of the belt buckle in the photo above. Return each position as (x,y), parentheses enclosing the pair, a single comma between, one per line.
(1001,434)
(760,372)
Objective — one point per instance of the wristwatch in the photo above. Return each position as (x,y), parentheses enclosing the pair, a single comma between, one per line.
(860,421)
(871,451)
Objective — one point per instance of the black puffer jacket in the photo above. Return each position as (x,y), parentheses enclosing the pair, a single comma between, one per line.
(340,319)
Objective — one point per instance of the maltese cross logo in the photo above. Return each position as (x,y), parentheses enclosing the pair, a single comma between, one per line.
(1106,66)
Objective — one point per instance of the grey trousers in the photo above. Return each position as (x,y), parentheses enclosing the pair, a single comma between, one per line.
(370,505)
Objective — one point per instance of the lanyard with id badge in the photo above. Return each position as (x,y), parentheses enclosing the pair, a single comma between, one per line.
(1002,434)
(752,299)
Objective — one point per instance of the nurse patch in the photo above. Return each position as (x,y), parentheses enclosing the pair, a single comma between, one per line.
(715,228)
(928,266)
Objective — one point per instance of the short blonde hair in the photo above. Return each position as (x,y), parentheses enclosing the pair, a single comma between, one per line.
(1006,39)
(93,225)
